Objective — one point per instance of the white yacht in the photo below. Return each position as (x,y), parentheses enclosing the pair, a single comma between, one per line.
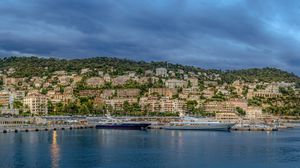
(191,123)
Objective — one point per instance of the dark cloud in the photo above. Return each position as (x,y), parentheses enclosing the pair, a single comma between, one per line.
(211,34)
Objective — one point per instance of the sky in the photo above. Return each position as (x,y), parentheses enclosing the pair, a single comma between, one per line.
(219,34)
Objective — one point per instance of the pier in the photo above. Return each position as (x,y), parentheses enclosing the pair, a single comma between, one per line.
(254,129)
(36,128)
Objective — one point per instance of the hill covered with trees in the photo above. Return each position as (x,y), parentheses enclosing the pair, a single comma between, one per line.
(36,66)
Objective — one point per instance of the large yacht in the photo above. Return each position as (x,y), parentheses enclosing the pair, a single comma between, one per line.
(112,123)
(191,123)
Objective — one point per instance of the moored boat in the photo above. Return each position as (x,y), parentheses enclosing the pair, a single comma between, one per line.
(123,125)
(198,124)
(112,123)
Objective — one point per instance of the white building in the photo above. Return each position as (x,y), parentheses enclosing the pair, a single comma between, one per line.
(37,103)
(161,71)
(174,83)
(253,112)
(95,82)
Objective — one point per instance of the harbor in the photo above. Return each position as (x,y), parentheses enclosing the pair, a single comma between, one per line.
(29,124)
(32,128)
(162,148)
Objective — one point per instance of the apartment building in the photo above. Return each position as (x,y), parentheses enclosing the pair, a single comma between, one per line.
(174,83)
(4,98)
(161,72)
(36,103)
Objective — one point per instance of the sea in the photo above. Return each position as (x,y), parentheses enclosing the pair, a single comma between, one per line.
(99,148)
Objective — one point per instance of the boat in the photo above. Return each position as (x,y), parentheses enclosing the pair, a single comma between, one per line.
(191,123)
(112,123)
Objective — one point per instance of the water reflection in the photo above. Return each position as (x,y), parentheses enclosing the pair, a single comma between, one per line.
(152,148)
(54,151)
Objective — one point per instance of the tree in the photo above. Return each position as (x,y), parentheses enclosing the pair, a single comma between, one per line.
(191,105)
(240,111)
(288,91)
(127,107)
(255,101)
(18,104)
(44,91)
(83,109)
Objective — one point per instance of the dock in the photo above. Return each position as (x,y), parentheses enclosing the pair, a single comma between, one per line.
(36,128)
(254,129)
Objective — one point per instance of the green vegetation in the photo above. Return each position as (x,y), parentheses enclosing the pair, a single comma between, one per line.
(256,101)
(240,111)
(256,74)
(35,66)
(286,103)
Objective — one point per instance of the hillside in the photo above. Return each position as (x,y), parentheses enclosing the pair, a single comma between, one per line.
(35,66)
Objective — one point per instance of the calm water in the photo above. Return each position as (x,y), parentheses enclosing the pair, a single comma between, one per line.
(154,148)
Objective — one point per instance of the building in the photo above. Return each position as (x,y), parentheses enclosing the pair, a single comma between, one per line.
(262,93)
(95,82)
(254,112)
(148,73)
(150,104)
(127,93)
(59,73)
(14,121)
(117,103)
(7,101)
(172,73)
(107,78)
(193,82)
(174,83)
(210,83)
(185,76)
(77,79)
(89,93)
(242,103)
(120,80)
(239,86)
(208,93)
(12,81)
(9,111)
(165,104)
(180,71)
(191,90)
(100,73)
(218,107)
(4,98)
(227,117)
(143,80)
(107,93)
(64,80)
(62,98)
(68,90)
(98,100)
(18,94)
(171,105)
(36,103)
(225,106)
(226,110)
(166,92)
(161,72)
(131,74)
(85,70)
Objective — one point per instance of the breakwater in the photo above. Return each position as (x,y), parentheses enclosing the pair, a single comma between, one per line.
(37,128)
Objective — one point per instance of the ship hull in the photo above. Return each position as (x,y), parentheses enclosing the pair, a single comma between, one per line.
(201,127)
(123,126)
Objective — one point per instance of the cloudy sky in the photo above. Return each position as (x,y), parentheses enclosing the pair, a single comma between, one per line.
(228,34)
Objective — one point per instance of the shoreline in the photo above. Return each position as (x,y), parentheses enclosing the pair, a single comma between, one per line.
(46,123)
